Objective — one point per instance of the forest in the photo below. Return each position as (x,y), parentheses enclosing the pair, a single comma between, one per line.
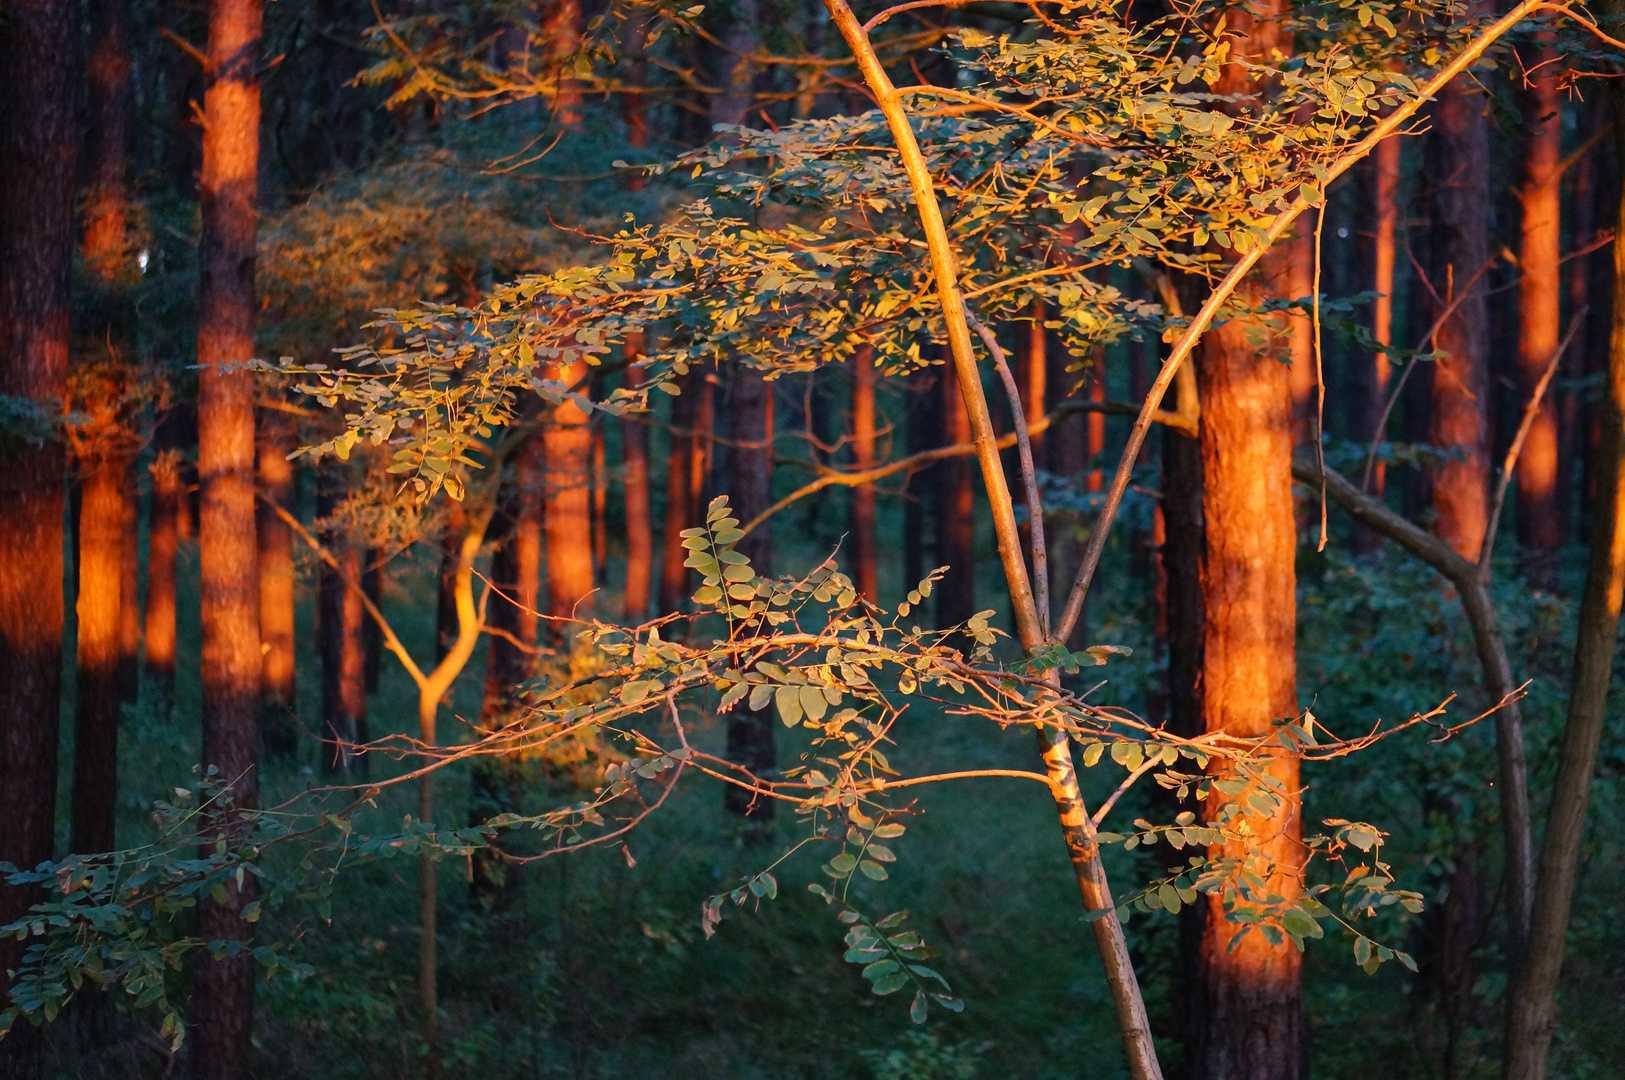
(537,539)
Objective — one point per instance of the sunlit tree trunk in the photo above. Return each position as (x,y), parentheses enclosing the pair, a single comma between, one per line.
(129,606)
(96,721)
(1532,1001)
(750,490)
(163,519)
(1374,383)
(863,457)
(1298,254)
(1459,171)
(1251,1015)
(955,513)
(679,508)
(1094,443)
(561,29)
(635,484)
(600,504)
(1540,522)
(339,633)
(38,135)
(277,673)
(567,444)
(223,990)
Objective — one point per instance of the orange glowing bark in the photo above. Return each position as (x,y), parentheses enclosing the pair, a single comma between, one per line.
(600,503)
(635,483)
(1386,192)
(101,544)
(1459,168)
(1251,1014)
(38,136)
(223,990)
(1298,254)
(1094,442)
(277,672)
(162,539)
(561,30)
(1540,524)
(129,606)
(567,442)
(863,457)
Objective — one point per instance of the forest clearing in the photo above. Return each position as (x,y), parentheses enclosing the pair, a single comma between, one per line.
(538,539)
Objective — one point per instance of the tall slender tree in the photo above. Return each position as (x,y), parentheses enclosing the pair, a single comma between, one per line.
(635,486)
(223,989)
(955,511)
(1540,522)
(1252,1023)
(863,457)
(276,574)
(340,614)
(750,486)
(567,444)
(38,136)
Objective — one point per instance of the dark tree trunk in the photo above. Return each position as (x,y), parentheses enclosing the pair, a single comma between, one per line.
(372,638)
(635,479)
(955,512)
(863,455)
(38,133)
(919,512)
(96,721)
(163,521)
(445,618)
(339,622)
(680,512)
(277,674)
(750,487)
(223,990)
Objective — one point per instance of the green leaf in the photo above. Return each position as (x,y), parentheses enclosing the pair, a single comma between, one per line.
(707,594)
(880,968)
(812,701)
(917,1012)
(788,701)
(760,694)
(872,870)
(891,983)
(844,863)
(251,912)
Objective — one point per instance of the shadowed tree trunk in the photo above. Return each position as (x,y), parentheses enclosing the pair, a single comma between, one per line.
(679,510)
(635,480)
(919,517)
(96,720)
(567,445)
(445,619)
(1540,524)
(163,521)
(339,633)
(38,133)
(1251,1016)
(277,674)
(863,457)
(955,512)
(1532,1002)
(223,990)
(750,491)
(372,641)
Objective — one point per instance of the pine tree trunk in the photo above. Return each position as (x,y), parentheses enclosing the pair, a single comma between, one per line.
(1252,1022)
(1094,442)
(1373,383)
(863,457)
(567,445)
(750,488)
(96,722)
(1459,169)
(277,671)
(635,481)
(129,605)
(600,504)
(163,521)
(679,508)
(38,137)
(339,634)
(955,513)
(372,638)
(1540,523)
(107,198)
(223,990)
(1532,1001)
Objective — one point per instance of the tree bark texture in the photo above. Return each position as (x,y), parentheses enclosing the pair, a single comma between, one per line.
(863,457)
(1252,1009)
(445,616)
(1254,1025)
(1458,169)
(1532,1002)
(223,990)
(96,720)
(516,572)
(600,503)
(129,607)
(567,446)
(107,198)
(635,484)
(750,487)
(1540,524)
(38,137)
(277,669)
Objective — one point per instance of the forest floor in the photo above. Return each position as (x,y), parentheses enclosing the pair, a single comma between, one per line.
(588,966)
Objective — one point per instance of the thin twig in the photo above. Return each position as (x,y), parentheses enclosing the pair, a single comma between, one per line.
(1516,448)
